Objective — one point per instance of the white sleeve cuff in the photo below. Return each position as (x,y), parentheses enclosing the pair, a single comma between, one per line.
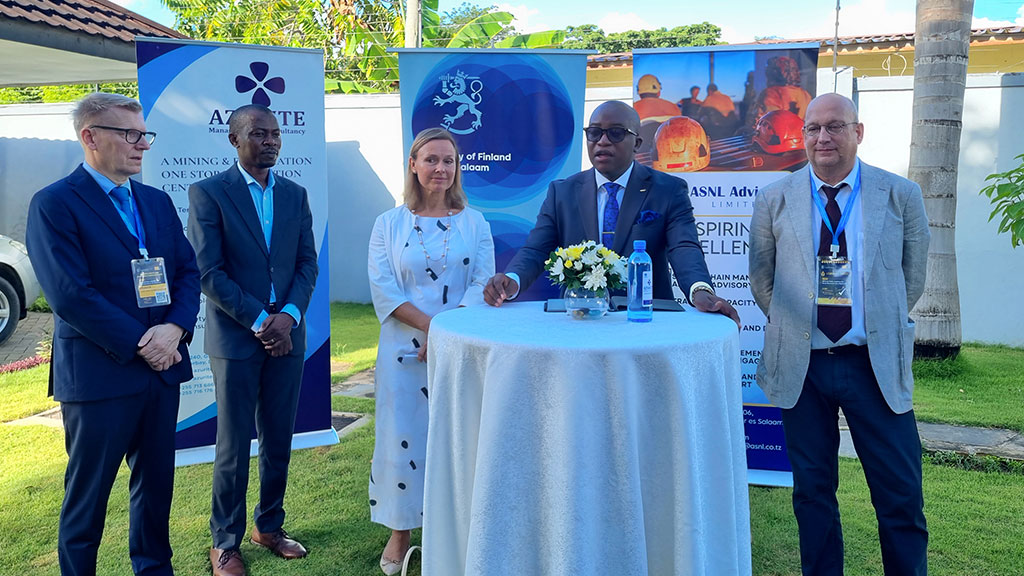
(515,278)
(698,286)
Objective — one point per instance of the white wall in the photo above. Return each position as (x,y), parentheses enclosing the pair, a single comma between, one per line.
(366,171)
(990,272)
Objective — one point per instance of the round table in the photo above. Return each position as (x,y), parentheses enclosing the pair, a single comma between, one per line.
(562,446)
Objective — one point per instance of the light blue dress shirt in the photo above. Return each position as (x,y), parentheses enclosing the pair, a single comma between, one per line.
(854,250)
(106,184)
(263,201)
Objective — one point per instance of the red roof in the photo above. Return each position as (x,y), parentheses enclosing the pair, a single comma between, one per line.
(95,17)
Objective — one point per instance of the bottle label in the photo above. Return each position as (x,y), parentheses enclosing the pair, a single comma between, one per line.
(648,288)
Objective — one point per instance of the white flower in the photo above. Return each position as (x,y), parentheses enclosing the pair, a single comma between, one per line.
(590,258)
(577,265)
(557,270)
(595,279)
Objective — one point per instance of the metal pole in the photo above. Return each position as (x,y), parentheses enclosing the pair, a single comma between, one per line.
(835,52)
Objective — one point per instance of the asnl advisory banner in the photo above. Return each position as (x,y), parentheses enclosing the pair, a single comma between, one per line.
(728,120)
(188,91)
(517,117)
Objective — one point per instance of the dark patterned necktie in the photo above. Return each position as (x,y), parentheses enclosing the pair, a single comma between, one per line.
(121,196)
(611,215)
(833,321)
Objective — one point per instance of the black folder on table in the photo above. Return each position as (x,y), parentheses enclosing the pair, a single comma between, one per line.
(618,304)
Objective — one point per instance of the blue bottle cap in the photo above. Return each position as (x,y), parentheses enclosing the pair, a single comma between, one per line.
(639,244)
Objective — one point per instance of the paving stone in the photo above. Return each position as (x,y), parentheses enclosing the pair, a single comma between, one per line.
(36,327)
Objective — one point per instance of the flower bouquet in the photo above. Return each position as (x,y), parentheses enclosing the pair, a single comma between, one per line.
(587,271)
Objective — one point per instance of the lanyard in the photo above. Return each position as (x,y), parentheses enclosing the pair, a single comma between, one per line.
(834,247)
(140,232)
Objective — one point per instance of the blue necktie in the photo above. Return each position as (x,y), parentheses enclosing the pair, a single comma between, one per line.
(122,197)
(611,215)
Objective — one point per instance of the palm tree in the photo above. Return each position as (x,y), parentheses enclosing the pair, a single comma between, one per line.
(941,42)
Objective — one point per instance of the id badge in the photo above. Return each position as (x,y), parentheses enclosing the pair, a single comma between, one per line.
(835,281)
(150,282)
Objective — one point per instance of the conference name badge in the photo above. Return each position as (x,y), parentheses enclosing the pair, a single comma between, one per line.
(151,282)
(835,281)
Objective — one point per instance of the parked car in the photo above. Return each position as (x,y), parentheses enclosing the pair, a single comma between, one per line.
(18,285)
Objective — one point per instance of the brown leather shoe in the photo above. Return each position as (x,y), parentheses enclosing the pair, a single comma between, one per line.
(279,543)
(227,562)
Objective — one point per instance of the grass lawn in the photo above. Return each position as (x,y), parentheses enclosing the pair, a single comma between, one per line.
(973,516)
(23,393)
(984,386)
(354,334)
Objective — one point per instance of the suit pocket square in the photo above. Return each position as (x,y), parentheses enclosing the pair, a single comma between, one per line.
(647,216)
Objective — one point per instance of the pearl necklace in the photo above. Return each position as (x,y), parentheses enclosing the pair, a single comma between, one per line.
(443,258)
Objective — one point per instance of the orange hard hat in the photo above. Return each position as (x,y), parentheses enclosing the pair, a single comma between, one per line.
(648,84)
(681,145)
(779,131)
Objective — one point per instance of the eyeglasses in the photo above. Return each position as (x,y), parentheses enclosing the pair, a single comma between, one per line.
(813,130)
(615,134)
(131,135)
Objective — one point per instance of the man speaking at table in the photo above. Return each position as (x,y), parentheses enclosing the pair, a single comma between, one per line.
(837,260)
(634,203)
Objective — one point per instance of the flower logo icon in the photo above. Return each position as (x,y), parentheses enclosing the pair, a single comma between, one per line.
(260,83)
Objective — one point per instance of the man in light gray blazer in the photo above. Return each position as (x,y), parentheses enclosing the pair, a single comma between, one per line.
(837,294)
(253,235)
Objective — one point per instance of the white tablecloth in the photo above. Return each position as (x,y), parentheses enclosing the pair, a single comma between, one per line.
(561,446)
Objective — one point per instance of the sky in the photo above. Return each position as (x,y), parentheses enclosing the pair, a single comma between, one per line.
(740,20)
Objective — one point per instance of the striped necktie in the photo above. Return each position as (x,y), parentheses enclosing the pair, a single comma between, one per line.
(611,215)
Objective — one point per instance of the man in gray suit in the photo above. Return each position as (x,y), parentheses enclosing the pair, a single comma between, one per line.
(614,203)
(253,236)
(837,260)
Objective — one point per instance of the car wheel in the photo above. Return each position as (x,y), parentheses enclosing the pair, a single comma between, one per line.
(10,310)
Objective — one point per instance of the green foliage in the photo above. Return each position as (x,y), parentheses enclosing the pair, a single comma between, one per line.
(40,305)
(1006,193)
(590,37)
(66,93)
(975,462)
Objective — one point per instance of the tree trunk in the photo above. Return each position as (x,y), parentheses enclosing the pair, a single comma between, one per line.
(941,42)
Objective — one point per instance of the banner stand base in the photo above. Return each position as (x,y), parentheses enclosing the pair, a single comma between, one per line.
(205,454)
(775,478)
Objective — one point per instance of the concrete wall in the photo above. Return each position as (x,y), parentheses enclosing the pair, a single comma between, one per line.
(365,170)
(989,271)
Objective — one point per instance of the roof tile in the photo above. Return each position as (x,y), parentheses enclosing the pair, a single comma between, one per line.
(95,17)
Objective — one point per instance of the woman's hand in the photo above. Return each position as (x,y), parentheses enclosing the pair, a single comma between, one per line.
(421,353)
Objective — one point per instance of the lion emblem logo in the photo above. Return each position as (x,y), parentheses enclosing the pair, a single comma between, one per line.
(463,91)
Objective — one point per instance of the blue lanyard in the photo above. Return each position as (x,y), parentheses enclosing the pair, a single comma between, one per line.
(816,194)
(140,232)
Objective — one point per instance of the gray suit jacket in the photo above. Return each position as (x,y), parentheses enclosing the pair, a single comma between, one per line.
(782,280)
(655,207)
(236,268)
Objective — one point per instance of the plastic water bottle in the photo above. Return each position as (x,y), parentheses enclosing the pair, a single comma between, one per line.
(640,292)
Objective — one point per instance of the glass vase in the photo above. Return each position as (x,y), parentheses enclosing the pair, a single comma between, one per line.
(583,304)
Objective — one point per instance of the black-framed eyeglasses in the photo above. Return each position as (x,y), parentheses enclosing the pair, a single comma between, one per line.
(615,134)
(131,135)
(834,129)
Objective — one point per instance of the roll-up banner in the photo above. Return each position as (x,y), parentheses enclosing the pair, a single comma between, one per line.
(188,91)
(728,120)
(517,117)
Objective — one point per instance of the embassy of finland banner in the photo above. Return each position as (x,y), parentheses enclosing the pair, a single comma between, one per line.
(728,120)
(188,90)
(517,117)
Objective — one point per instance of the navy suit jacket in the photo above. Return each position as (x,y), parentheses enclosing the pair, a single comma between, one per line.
(81,251)
(655,207)
(237,270)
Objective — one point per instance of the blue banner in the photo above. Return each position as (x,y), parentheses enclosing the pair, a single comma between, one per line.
(517,117)
(188,90)
(728,120)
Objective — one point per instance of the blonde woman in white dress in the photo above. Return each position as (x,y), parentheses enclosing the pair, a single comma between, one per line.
(430,254)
